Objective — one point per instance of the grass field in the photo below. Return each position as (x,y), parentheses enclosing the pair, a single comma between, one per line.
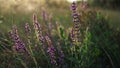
(91,41)
(61,15)
(113,17)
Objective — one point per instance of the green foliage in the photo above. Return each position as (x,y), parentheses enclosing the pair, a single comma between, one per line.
(114,4)
(99,47)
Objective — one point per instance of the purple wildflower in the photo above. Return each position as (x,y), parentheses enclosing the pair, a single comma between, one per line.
(50,26)
(72,35)
(50,21)
(61,55)
(19,45)
(38,29)
(51,50)
(74,13)
(27,28)
(75,32)
(74,6)
(34,18)
(44,15)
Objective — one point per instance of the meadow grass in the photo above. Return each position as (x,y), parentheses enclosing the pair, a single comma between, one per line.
(113,16)
(54,47)
(63,16)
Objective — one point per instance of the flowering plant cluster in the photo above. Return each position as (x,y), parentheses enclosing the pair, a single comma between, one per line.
(48,45)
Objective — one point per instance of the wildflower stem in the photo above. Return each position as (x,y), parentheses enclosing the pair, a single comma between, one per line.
(44,53)
(32,54)
(25,66)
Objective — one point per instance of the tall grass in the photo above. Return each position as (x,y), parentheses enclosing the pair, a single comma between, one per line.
(89,43)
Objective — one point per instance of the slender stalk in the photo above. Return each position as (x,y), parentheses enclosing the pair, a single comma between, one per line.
(109,57)
(21,61)
(46,57)
(25,66)
(28,31)
(32,54)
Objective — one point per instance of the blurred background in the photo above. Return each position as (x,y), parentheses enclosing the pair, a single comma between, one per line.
(20,11)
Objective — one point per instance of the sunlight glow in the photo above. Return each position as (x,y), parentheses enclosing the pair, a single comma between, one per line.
(72,0)
(75,0)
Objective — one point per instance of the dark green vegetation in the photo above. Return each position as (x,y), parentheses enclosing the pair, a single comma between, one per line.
(99,47)
(114,4)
